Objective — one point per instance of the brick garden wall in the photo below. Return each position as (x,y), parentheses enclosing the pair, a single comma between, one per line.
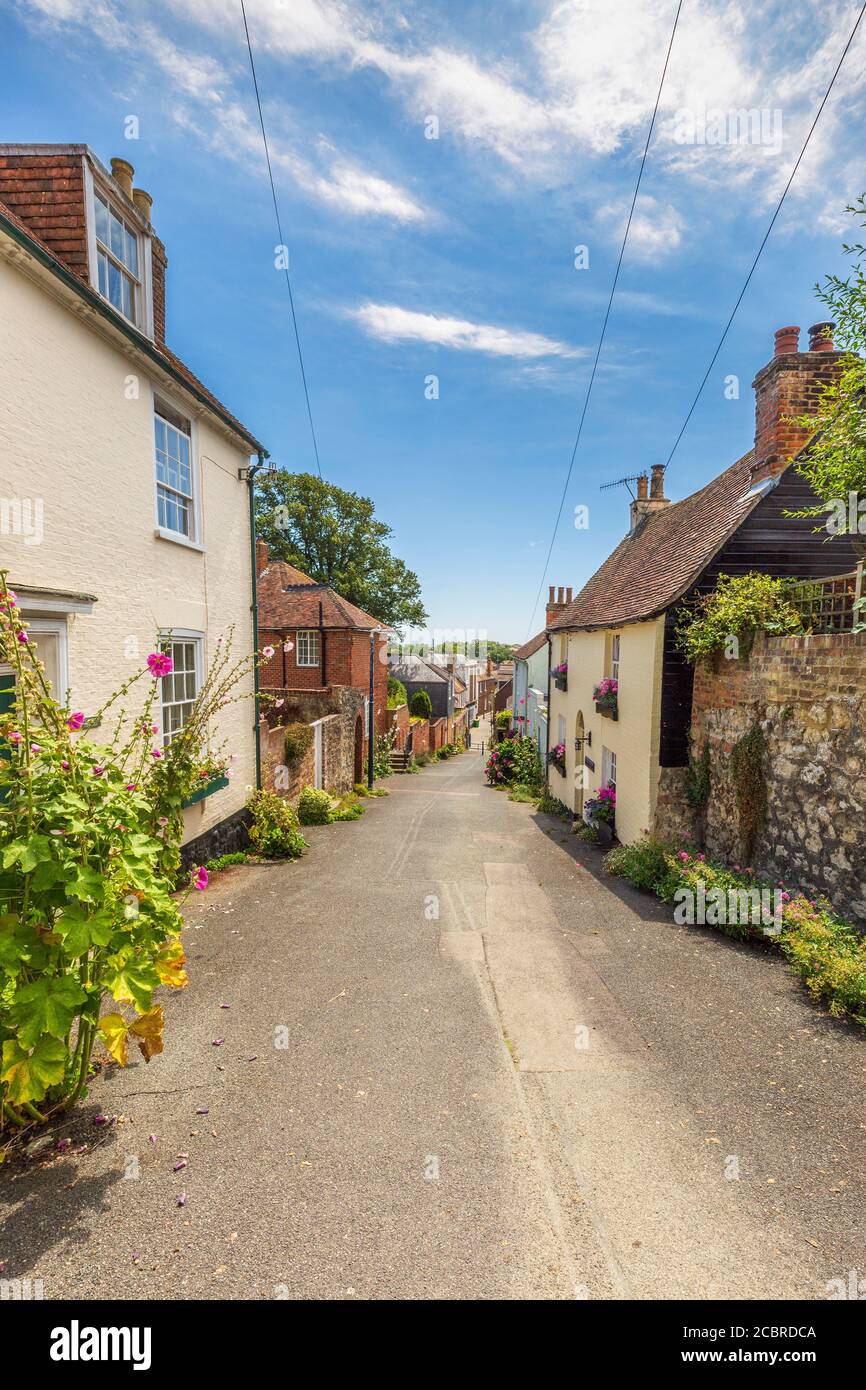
(808,694)
(338,707)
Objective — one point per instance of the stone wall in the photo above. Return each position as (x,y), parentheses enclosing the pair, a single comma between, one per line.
(338,708)
(808,695)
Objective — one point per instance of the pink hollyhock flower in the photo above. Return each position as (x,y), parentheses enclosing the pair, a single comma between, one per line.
(75,721)
(131,786)
(22,636)
(155,753)
(201,879)
(65,765)
(98,771)
(785,897)
(288,646)
(683,856)
(35,748)
(159,664)
(702,857)
(12,598)
(14,737)
(267,652)
(163,820)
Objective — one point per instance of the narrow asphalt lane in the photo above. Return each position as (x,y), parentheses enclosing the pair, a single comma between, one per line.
(442,1057)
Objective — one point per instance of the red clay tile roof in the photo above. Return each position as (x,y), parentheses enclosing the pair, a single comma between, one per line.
(62,247)
(531,647)
(289,599)
(655,565)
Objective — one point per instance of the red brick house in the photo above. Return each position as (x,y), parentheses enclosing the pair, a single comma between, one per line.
(328,638)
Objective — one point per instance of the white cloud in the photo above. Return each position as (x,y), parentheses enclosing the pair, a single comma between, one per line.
(656,228)
(223,121)
(391,323)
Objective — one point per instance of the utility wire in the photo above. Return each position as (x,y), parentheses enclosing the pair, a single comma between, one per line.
(606,317)
(766,238)
(281,240)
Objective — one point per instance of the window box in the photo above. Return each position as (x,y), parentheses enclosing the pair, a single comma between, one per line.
(215,784)
(561,682)
(560,675)
(606,697)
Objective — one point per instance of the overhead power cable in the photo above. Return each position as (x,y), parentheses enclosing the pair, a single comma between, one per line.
(765,239)
(606,317)
(282,242)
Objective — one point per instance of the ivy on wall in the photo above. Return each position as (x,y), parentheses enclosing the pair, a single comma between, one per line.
(750,786)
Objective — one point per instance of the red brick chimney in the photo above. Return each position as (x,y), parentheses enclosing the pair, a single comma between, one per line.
(262,554)
(789,386)
(557,604)
(650,495)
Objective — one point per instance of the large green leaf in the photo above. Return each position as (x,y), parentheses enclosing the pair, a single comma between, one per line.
(27,853)
(28,1075)
(133,982)
(46,1006)
(82,928)
(87,885)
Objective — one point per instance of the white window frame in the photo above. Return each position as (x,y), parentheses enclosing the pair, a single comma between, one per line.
(561,730)
(180,634)
(608,767)
(308,633)
(194,540)
(615,649)
(143,320)
(54,627)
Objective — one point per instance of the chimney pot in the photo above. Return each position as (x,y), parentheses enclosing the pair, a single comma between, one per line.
(559,594)
(642,487)
(821,337)
(143,202)
(262,555)
(657,486)
(787,340)
(550,595)
(122,173)
(568,593)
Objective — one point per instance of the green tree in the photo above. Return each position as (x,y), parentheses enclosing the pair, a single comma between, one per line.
(334,537)
(835,464)
(420,705)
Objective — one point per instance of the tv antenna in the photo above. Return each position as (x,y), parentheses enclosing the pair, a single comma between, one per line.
(622,482)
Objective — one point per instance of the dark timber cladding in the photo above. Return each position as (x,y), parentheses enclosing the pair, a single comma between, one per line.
(766,540)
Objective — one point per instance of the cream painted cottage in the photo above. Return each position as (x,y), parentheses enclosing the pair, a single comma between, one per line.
(621,625)
(124,509)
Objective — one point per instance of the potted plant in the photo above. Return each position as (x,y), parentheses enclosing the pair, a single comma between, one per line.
(556,757)
(600,812)
(606,695)
(560,675)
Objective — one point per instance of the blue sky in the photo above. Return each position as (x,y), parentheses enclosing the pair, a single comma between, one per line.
(454,256)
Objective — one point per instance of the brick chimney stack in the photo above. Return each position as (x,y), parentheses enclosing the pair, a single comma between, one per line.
(789,386)
(555,605)
(650,495)
(262,556)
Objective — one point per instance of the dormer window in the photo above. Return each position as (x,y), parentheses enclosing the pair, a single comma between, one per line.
(117,259)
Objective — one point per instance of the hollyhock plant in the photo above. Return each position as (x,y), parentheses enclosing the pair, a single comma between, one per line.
(267,652)
(159,664)
(88,831)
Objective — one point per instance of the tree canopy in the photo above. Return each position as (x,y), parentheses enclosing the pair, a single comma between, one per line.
(835,463)
(334,536)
